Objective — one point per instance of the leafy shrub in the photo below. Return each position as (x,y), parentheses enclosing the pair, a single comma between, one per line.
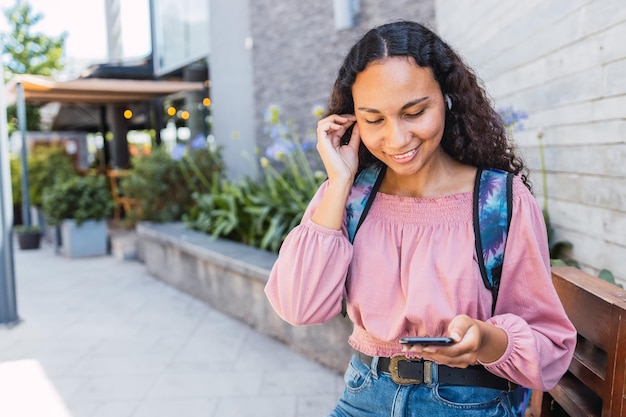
(163,185)
(261,212)
(80,198)
(46,166)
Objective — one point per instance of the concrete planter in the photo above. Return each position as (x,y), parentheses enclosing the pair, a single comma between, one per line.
(231,277)
(90,238)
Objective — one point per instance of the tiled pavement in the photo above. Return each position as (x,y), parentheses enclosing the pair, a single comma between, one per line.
(99,337)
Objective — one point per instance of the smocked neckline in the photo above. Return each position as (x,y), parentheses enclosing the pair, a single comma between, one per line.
(450,209)
(450,197)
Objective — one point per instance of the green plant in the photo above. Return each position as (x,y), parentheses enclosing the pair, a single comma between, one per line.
(25,50)
(157,183)
(198,162)
(163,185)
(222,211)
(46,166)
(80,198)
(607,276)
(260,212)
(20,228)
(16,179)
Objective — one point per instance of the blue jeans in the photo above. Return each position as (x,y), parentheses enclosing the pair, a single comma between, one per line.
(373,394)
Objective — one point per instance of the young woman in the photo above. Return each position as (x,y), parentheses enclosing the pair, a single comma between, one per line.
(405,99)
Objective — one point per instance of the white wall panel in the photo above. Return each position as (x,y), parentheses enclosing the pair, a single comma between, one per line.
(564,63)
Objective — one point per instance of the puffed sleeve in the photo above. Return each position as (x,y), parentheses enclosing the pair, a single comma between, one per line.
(541,338)
(307,282)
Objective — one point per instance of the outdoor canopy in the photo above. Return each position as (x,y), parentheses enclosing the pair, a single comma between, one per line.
(40,90)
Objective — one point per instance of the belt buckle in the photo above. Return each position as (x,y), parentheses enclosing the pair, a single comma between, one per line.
(394,368)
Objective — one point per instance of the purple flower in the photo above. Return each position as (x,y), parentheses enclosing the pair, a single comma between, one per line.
(279,149)
(277,131)
(199,142)
(178,151)
(512,118)
(306,146)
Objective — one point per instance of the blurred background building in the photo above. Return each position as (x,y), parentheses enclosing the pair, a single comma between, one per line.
(258,53)
(560,62)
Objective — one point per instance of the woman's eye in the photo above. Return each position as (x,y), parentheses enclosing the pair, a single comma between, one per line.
(418,114)
(373,122)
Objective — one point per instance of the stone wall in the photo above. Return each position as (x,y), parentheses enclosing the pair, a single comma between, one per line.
(564,63)
(297,52)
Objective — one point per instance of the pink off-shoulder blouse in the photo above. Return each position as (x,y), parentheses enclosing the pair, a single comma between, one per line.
(413,267)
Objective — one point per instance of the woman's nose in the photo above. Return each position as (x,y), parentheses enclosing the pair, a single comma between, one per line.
(397,136)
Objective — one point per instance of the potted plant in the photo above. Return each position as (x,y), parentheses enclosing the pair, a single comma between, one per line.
(80,206)
(46,166)
(28,237)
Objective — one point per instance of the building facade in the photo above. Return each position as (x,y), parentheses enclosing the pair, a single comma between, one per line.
(265,52)
(561,62)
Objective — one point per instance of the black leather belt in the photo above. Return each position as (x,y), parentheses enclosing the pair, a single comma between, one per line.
(407,371)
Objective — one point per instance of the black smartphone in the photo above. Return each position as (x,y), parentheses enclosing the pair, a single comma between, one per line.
(440,341)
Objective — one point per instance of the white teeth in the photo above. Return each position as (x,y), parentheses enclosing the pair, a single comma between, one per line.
(405,155)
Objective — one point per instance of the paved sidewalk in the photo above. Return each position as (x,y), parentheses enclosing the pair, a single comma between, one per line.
(100,337)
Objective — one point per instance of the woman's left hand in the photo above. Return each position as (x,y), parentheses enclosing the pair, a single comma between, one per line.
(475,341)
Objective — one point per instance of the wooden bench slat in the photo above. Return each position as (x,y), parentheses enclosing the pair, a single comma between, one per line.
(576,399)
(595,383)
(594,320)
(589,365)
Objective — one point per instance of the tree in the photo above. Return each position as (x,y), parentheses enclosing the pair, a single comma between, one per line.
(25,52)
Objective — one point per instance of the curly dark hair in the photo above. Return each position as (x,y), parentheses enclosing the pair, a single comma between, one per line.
(474,133)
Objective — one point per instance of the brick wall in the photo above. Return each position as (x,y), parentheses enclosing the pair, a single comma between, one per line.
(564,63)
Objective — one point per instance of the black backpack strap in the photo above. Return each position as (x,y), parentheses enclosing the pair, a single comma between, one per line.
(492,217)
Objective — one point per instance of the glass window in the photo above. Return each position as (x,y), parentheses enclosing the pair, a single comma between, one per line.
(181,30)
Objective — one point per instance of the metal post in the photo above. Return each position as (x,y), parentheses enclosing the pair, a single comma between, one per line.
(21,118)
(8,303)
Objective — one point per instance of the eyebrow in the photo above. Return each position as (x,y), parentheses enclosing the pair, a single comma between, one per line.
(406,106)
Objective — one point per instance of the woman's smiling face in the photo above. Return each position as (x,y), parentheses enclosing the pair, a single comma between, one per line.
(400,111)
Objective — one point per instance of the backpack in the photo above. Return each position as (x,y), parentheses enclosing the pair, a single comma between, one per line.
(492,208)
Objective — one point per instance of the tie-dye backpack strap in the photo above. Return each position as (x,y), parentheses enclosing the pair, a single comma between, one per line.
(492,217)
(493,204)
(359,201)
(361,196)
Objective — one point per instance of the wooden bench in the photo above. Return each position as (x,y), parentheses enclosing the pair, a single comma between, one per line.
(595,382)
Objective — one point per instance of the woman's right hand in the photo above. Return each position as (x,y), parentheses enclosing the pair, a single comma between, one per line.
(341,161)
